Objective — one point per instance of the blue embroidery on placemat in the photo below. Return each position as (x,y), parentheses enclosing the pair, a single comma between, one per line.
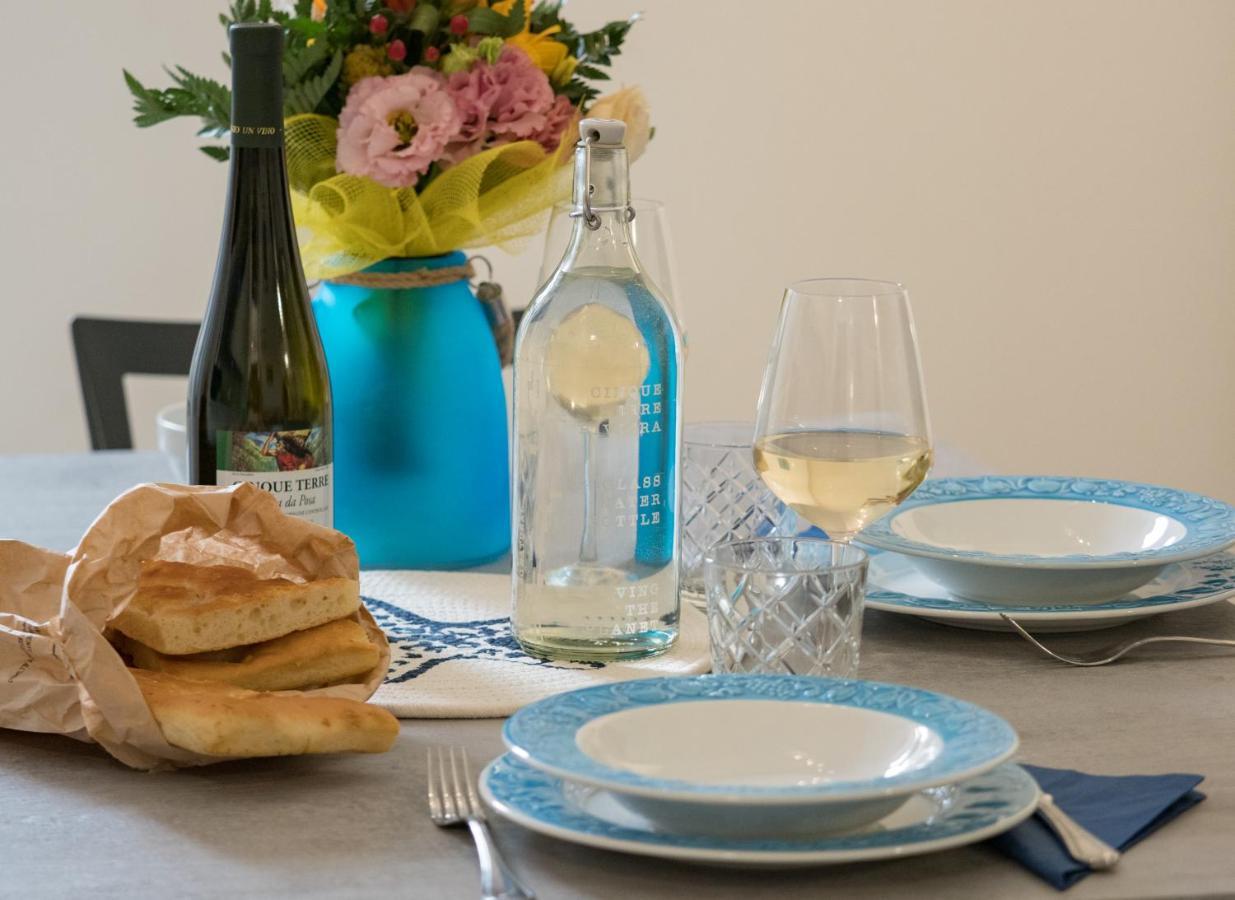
(418,643)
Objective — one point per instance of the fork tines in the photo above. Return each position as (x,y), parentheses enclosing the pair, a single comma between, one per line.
(452,794)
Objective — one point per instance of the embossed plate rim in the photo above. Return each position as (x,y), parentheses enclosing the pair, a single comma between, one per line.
(1210,522)
(975,740)
(1008,784)
(1123,609)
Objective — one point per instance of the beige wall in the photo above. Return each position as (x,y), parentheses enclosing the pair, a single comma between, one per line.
(1053,180)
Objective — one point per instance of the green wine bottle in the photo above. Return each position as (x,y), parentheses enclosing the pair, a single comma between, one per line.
(259,393)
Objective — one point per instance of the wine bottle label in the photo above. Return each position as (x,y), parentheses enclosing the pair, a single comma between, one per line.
(294,466)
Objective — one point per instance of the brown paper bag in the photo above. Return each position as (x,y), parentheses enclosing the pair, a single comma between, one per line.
(58,673)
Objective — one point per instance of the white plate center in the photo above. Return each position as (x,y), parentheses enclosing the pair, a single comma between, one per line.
(1034,527)
(759,743)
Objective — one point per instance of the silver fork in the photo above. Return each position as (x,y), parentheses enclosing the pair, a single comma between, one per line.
(453,801)
(1109,654)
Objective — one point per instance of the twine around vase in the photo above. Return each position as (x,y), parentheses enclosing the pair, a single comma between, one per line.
(417,278)
(488,293)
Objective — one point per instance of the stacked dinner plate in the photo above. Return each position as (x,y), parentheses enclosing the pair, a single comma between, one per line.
(1057,554)
(760,770)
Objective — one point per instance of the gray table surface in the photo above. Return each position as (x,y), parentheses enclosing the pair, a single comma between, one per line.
(75,822)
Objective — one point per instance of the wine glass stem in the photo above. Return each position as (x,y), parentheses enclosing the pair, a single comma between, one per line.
(587,543)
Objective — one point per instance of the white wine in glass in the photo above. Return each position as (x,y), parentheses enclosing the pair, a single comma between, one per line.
(842,435)
(842,480)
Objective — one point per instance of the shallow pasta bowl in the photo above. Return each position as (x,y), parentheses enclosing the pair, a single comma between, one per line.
(750,755)
(1040,540)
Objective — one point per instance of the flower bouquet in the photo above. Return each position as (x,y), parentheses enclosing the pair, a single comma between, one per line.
(418,127)
(415,129)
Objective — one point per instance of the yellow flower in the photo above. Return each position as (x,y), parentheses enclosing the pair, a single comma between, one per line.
(563,71)
(631,107)
(319,10)
(547,53)
(364,61)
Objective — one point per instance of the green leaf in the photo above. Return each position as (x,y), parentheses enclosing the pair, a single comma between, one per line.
(483,20)
(586,71)
(135,86)
(297,63)
(149,107)
(580,93)
(307,28)
(222,154)
(191,95)
(252,11)
(305,97)
(242,11)
(200,97)
(515,20)
(599,45)
(424,19)
(546,14)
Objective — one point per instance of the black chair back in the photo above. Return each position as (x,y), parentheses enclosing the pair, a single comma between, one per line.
(107,350)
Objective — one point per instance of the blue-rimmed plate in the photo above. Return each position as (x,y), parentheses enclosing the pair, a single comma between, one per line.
(932,820)
(895,585)
(743,754)
(1044,540)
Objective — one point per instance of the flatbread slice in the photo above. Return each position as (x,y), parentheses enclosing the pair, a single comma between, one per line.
(182,609)
(316,657)
(220,720)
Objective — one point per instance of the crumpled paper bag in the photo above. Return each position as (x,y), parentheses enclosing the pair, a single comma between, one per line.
(59,674)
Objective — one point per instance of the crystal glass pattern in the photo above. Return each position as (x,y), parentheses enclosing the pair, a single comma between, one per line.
(723,498)
(785,606)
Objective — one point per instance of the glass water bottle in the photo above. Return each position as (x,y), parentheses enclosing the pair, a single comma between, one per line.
(597,429)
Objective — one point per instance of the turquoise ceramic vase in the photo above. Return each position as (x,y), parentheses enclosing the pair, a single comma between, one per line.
(420,445)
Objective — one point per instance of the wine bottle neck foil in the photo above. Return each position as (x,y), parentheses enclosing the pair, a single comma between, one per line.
(257,85)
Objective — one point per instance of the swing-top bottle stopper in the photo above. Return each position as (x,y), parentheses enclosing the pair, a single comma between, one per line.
(602,132)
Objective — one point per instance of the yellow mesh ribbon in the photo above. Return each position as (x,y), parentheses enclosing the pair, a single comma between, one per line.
(348,222)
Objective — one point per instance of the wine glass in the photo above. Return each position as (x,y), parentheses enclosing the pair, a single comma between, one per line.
(842,435)
(653,246)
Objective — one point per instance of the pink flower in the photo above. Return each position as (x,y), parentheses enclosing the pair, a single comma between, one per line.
(473,93)
(560,115)
(508,101)
(392,129)
(521,107)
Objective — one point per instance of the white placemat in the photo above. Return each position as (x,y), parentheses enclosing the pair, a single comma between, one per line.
(453,656)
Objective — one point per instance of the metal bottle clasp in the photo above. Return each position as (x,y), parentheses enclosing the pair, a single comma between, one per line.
(590,219)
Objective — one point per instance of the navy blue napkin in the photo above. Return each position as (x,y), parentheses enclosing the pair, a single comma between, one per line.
(1120,809)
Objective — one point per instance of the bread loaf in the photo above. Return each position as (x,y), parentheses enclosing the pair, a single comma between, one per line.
(182,609)
(313,658)
(220,720)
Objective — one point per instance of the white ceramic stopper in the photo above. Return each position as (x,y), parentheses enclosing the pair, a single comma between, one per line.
(611,132)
